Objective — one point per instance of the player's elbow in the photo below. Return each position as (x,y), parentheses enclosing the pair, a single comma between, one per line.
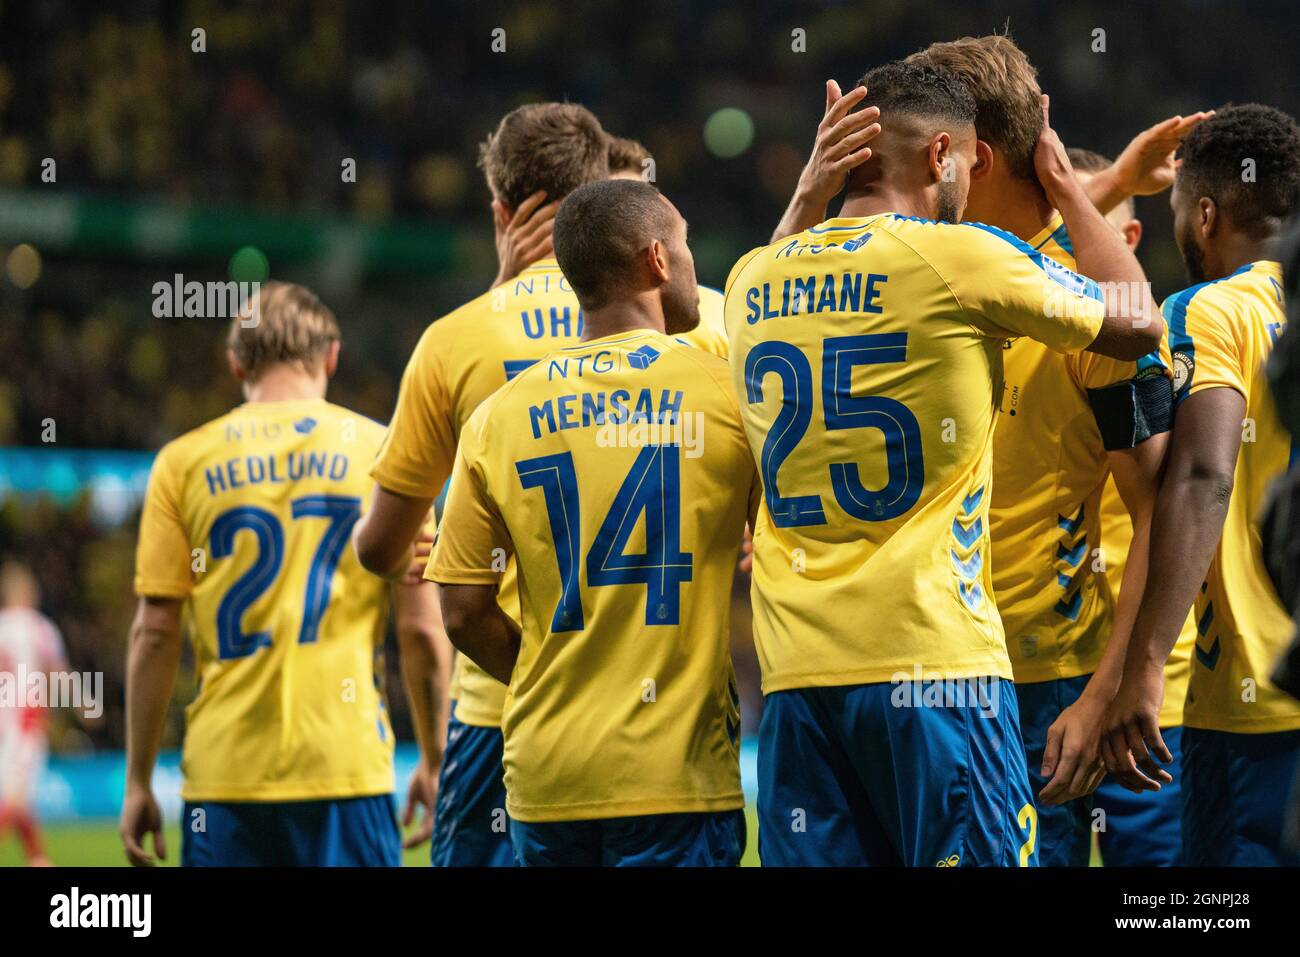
(375,551)
(1207,487)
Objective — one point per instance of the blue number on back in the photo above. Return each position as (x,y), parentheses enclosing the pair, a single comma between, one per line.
(842,410)
(903,449)
(787,362)
(653,486)
(342,512)
(231,641)
(555,476)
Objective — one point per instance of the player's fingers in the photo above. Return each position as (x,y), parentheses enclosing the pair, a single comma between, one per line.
(135,853)
(1047,112)
(1052,752)
(1156,742)
(853,141)
(840,108)
(160,841)
(540,226)
(852,161)
(832,94)
(852,123)
(1058,789)
(526,208)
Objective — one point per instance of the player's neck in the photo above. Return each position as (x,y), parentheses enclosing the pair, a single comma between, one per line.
(878,197)
(285,385)
(1235,250)
(638,314)
(1021,208)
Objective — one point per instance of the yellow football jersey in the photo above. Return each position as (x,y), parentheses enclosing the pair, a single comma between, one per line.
(1221,333)
(1049,469)
(617,472)
(1116,537)
(462,359)
(248,518)
(868,357)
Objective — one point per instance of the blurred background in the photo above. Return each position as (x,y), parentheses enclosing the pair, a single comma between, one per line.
(127,157)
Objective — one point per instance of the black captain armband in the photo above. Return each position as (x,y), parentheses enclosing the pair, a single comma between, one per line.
(1129,413)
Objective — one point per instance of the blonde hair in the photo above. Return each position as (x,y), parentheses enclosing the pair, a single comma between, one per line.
(1008,111)
(283,323)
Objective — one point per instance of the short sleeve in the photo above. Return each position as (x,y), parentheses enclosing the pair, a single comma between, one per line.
(162,556)
(1206,352)
(418,451)
(1008,288)
(472,542)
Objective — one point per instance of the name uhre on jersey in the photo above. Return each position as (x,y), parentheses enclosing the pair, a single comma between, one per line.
(808,295)
(275,469)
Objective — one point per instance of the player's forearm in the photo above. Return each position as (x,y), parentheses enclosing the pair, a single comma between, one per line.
(1111,668)
(487,637)
(384,537)
(153,659)
(807,208)
(1185,530)
(1105,190)
(1102,256)
(426,671)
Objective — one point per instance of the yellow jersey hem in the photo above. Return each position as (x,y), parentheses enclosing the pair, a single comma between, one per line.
(1035,676)
(1268,724)
(292,791)
(477,718)
(787,681)
(156,588)
(591,811)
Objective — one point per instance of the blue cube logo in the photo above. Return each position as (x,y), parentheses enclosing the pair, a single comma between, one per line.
(641,358)
(303,426)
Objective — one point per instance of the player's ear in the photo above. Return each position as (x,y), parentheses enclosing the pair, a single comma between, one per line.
(1133,234)
(983,160)
(939,147)
(236,369)
(657,261)
(1209,211)
(332,358)
(501,214)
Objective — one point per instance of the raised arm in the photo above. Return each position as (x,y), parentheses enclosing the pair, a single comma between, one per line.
(840,146)
(1132,326)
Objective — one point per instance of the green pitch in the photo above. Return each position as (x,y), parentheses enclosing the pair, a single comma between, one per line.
(95,844)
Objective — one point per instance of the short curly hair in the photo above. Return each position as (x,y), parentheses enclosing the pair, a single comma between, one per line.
(919,89)
(1215,159)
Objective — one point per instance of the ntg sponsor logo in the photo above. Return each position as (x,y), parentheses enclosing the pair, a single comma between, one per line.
(130,911)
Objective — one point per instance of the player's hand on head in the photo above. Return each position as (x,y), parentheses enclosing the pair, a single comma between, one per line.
(1147,164)
(1131,739)
(1050,160)
(841,143)
(525,237)
(421,798)
(141,816)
